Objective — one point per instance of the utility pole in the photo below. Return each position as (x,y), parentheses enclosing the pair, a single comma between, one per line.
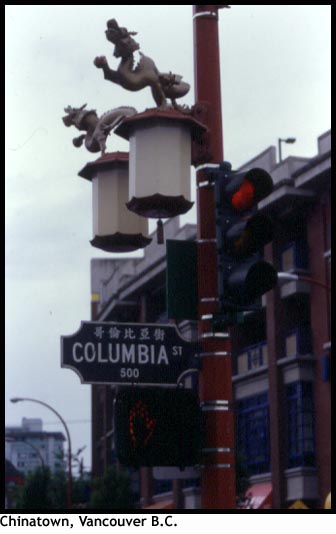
(215,389)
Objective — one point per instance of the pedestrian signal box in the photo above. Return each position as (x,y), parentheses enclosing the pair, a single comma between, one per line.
(157,427)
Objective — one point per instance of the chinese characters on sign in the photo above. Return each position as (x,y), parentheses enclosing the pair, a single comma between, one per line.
(127,332)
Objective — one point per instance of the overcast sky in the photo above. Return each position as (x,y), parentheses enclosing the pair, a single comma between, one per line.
(275,72)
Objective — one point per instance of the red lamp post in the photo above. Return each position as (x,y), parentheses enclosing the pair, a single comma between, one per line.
(218,473)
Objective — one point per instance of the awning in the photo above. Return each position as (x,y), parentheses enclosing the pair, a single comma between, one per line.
(161,505)
(297,505)
(327,504)
(259,496)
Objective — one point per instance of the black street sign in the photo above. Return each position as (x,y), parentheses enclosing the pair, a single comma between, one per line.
(127,353)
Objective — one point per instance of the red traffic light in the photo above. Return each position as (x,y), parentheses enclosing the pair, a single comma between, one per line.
(241,235)
(243,199)
(247,189)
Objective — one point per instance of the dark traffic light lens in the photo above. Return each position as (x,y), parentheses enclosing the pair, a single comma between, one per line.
(251,280)
(249,235)
(261,278)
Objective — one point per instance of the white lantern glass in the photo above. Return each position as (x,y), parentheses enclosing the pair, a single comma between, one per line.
(115,228)
(160,161)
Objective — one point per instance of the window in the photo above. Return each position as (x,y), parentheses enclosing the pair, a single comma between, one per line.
(252,431)
(291,344)
(288,259)
(254,356)
(300,424)
(294,256)
(299,341)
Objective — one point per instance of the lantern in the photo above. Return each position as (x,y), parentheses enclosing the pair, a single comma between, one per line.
(115,229)
(160,159)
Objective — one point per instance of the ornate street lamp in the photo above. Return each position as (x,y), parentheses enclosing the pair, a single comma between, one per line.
(115,228)
(160,157)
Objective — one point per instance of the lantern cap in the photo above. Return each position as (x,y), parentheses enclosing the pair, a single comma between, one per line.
(108,161)
(159,206)
(155,115)
(119,242)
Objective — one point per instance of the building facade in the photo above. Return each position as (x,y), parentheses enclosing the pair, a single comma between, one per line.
(28,447)
(281,352)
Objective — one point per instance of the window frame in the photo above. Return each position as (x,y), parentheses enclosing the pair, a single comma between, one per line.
(300,255)
(304,342)
(253,433)
(261,356)
(300,424)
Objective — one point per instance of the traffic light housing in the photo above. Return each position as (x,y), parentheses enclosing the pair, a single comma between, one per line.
(157,427)
(241,234)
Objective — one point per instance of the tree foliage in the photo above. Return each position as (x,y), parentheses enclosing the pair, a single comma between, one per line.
(44,490)
(112,491)
(34,493)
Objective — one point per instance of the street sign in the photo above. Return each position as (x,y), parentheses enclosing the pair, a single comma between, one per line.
(127,353)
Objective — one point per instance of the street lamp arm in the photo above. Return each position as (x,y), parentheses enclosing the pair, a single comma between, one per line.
(19,399)
(290,276)
(290,140)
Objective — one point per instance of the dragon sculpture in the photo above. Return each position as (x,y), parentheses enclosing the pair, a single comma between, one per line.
(145,74)
(97,128)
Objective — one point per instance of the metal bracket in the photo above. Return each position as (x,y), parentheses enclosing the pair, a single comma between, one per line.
(205,14)
(214,354)
(210,450)
(207,335)
(215,406)
(186,373)
(217,466)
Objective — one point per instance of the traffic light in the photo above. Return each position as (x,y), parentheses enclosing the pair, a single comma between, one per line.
(241,234)
(157,427)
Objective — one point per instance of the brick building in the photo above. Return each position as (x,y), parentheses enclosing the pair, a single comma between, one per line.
(281,353)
